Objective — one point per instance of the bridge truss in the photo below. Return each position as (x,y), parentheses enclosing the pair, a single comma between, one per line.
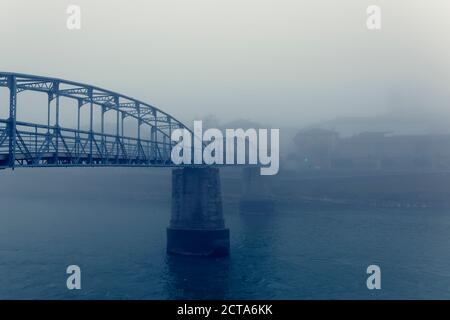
(47,144)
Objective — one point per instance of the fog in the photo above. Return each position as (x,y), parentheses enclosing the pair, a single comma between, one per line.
(285,63)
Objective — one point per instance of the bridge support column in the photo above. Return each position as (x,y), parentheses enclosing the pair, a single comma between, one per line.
(197,225)
(256,197)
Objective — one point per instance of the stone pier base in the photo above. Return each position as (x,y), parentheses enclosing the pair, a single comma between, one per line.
(192,242)
(197,226)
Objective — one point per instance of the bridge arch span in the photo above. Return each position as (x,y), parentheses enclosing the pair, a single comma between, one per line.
(50,144)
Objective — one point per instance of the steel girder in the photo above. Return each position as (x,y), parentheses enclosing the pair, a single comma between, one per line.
(31,144)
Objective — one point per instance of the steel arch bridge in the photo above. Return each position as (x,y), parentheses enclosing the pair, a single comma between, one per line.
(28,144)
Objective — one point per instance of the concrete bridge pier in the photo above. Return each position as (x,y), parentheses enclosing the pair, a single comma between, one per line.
(197,226)
(256,197)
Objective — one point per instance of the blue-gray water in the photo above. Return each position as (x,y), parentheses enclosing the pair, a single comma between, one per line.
(294,254)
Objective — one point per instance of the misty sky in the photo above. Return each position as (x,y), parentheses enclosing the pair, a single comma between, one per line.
(278,62)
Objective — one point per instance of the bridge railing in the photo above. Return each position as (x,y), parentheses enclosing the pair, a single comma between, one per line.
(41,145)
